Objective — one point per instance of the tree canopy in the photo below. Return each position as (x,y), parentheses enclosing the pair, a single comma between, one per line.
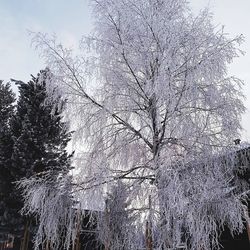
(155,107)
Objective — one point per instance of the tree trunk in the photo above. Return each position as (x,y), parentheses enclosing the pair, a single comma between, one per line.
(149,238)
(76,245)
(26,236)
(47,245)
(107,238)
(246,214)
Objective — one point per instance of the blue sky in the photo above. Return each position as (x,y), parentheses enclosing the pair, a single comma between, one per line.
(69,20)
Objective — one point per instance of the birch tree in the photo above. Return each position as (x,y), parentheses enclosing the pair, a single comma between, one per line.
(154,106)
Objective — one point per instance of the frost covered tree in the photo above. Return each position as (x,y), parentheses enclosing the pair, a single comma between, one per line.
(155,107)
(7,99)
(40,137)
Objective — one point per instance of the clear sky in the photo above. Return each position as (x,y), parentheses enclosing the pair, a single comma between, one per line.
(69,20)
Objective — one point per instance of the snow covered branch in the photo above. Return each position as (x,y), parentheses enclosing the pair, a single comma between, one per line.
(154,108)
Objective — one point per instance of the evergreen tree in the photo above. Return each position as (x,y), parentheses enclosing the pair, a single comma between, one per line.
(6,104)
(40,137)
(112,223)
(7,99)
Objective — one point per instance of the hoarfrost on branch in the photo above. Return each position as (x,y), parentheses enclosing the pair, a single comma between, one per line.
(153,107)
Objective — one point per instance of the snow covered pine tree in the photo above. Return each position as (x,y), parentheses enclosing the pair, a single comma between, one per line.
(39,151)
(7,99)
(155,107)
